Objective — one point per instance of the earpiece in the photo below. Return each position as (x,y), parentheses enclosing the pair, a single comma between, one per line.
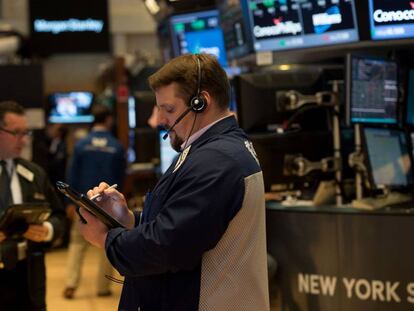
(198,102)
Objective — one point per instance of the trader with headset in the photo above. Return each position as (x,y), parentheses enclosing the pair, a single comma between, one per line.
(199,243)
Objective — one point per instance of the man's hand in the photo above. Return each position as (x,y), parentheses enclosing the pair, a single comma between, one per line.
(36,233)
(113,202)
(94,231)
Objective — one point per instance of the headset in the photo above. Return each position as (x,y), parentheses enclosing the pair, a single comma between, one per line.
(196,104)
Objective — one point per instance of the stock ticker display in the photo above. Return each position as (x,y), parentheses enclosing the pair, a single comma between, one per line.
(290,24)
(391,19)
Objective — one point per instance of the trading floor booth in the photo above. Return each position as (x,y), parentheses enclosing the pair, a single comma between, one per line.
(357,255)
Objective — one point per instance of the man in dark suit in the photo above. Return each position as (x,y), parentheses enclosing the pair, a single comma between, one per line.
(22,265)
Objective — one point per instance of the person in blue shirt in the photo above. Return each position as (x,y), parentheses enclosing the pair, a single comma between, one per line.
(200,242)
(97,157)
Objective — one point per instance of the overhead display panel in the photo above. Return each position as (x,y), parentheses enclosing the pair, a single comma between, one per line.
(292,24)
(391,19)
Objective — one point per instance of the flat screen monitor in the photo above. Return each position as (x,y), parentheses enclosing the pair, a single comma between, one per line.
(389,161)
(410,99)
(70,107)
(391,19)
(290,24)
(198,32)
(68,26)
(372,90)
(258,97)
(237,41)
(167,153)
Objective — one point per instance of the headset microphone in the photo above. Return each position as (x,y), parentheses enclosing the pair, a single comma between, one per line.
(197,103)
(176,122)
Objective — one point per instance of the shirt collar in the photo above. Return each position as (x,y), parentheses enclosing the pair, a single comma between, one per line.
(200,132)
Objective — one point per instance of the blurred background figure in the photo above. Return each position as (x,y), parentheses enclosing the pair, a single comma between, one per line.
(22,258)
(97,157)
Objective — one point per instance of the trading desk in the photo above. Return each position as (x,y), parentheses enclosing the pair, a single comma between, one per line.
(342,259)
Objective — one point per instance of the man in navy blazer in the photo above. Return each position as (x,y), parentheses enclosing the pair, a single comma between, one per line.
(22,264)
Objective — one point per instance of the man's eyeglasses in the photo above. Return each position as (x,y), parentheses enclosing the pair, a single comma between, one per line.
(19,134)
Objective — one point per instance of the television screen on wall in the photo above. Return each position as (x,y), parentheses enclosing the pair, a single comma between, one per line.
(68,26)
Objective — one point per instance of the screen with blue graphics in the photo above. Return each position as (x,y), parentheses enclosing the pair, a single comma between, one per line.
(391,19)
(198,32)
(290,24)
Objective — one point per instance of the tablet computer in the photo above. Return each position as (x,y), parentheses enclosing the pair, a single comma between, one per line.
(82,200)
(21,215)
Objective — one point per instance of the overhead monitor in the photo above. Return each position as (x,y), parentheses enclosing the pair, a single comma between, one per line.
(289,24)
(372,90)
(391,19)
(70,107)
(198,32)
(68,26)
(237,39)
(389,161)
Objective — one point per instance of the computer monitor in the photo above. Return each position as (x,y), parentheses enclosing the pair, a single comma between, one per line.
(70,107)
(198,32)
(391,19)
(289,24)
(388,158)
(237,39)
(167,153)
(275,150)
(258,95)
(371,90)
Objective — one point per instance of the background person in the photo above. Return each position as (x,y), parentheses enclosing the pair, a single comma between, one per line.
(97,157)
(22,273)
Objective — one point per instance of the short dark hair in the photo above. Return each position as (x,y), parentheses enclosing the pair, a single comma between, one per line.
(10,106)
(100,113)
(183,71)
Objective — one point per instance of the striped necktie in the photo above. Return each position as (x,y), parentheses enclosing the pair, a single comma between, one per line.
(5,193)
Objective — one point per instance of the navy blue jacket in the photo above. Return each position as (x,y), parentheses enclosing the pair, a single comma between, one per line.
(97,157)
(186,227)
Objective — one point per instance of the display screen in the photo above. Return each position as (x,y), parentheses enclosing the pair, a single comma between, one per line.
(237,41)
(372,90)
(69,26)
(167,153)
(289,24)
(389,158)
(198,32)
(391,19)
(70,107)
